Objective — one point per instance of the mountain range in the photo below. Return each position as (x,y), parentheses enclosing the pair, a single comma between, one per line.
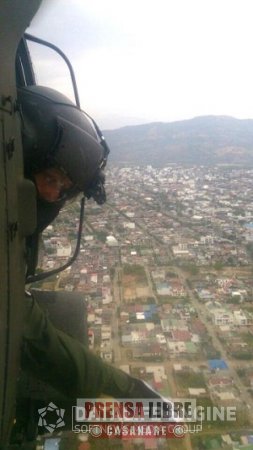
(203,140)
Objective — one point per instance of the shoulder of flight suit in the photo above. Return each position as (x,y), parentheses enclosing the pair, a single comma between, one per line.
(63,362)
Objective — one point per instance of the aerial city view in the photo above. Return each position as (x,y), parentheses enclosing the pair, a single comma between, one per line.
(166,271)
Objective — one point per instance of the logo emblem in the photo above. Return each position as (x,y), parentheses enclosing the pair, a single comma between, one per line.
(179,431)
(96,431)
(51,417)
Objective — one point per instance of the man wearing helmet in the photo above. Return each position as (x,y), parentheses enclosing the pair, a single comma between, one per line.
(51,184)
(64,154)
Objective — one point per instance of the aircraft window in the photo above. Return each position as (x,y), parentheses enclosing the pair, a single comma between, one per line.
(50,69)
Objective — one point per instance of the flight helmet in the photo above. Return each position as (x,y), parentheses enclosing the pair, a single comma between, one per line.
(56,133)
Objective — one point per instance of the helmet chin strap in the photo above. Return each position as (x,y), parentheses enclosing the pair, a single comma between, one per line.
(43,275)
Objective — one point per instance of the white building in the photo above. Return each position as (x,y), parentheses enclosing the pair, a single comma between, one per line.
(240,318)
(63,250)
(222,317)
(111,241)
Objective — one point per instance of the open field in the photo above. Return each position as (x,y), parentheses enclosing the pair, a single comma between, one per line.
(134,290)
(134,283)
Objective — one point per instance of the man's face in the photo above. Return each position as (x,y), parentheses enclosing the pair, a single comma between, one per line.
(51,184)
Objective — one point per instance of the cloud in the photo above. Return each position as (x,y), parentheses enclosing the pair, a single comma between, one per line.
(163,59)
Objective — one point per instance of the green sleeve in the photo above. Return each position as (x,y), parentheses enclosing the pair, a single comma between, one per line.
(63,362)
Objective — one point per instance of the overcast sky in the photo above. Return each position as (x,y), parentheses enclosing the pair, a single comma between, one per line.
(139,61)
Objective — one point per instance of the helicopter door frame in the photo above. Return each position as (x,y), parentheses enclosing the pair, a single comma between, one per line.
(24,64)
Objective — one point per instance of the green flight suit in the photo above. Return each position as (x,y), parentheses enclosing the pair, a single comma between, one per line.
(64,363)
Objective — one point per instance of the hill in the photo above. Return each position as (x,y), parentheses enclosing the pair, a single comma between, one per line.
(202,140)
